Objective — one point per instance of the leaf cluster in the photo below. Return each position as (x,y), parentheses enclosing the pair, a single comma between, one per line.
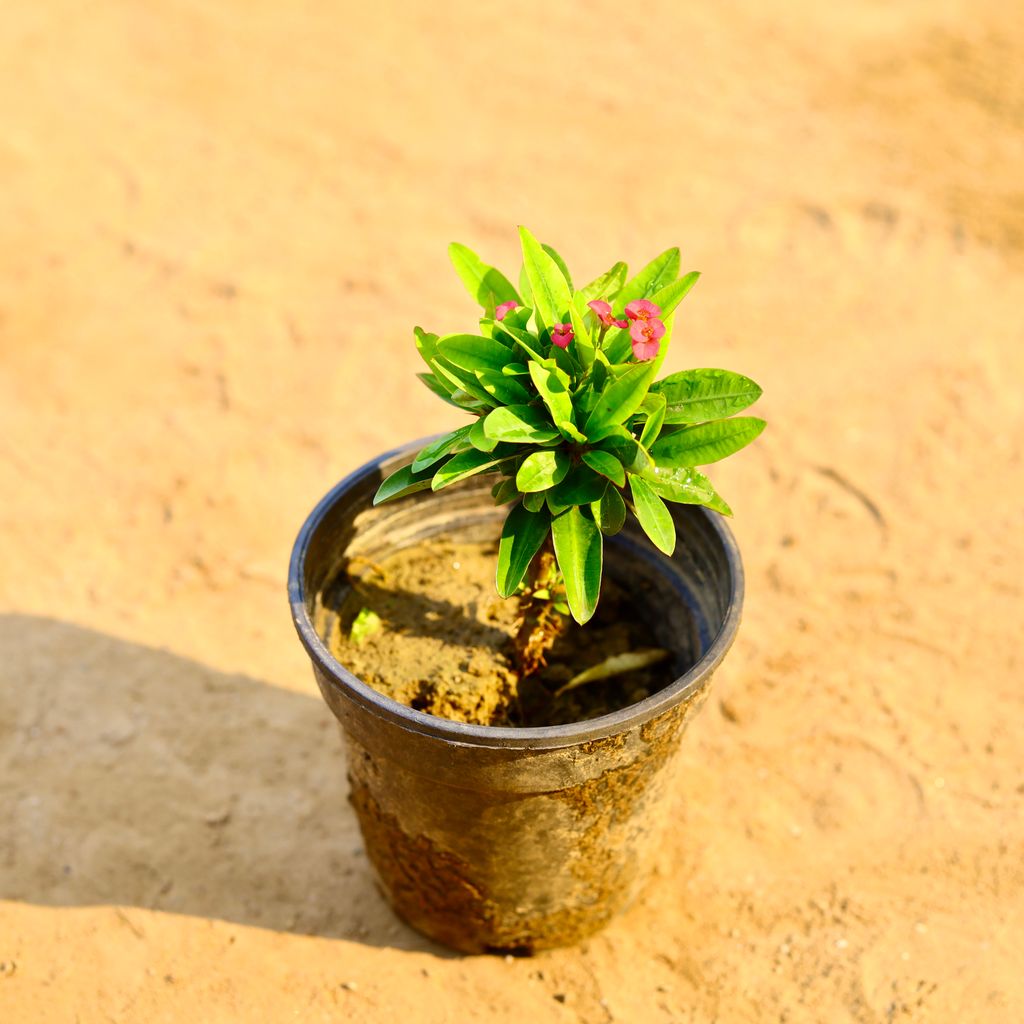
(579,436)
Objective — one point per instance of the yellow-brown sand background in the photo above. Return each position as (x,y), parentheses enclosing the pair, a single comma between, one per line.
(219,221)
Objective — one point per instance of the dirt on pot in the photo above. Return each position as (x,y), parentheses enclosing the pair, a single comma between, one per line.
(443,644)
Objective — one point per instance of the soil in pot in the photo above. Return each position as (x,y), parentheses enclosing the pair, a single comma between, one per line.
(443,644)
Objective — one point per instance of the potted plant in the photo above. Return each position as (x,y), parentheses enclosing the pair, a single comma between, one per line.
(524,821)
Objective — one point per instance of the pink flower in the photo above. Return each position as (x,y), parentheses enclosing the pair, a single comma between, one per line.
(604,313)
(499,313)
(641,309)
(646,337)
(561,335)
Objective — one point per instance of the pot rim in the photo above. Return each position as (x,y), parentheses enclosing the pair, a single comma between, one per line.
(545,737)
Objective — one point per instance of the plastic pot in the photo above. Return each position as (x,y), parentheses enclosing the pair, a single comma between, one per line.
(511,840)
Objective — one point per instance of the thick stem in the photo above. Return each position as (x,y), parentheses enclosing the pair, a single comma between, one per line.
(541,624)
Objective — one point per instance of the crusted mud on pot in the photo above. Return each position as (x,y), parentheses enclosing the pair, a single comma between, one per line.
(422,881)
(447,897)
(434,890)
(440,886)
(613,795)
(444,641)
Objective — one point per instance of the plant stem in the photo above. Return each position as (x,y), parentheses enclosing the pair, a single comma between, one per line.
(541,625)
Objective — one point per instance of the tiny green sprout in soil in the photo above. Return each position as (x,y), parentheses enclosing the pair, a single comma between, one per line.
(567,412)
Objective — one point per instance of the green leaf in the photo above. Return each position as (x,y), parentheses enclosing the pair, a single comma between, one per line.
(513,333)
(604,287)
(550,291)
(491,328)
(478,439)
(365,623)
(520,424)
(642,460)
(666,340)
(559,262)
(619,400)
(426,344)
(521,538)
(542,470)
(687,487)
(524,287)
(671,295)
(502,387)
(617,345)
(442,388)
(579,549)
(431,453)
(565,361)
(515,370)
(580,487)
(585,399)
(654,408)
(654,515)
(474,352)
(706,442)
(464,400)
(609,511)
(683,485)
(718,504)
(696,396)
(402,482)
(465,465)
(607,465)
(584,341)
(599,373)
(662,270)
(532,349)
(488,286)
(570,433)
(553,386)
(504,491)
(519,317)
(617,437)
(628,450)
(464,381)
(534,501)
(528,342)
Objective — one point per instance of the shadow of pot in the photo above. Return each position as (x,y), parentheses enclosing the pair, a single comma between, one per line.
(510,840)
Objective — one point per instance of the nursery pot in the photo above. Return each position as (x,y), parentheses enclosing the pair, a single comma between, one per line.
(509,840)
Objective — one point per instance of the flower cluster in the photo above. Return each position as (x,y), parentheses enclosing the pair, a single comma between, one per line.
(646,331)
(567,413)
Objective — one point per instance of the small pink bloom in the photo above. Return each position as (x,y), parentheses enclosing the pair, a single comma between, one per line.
(646,337)
(561,335)
(499,313)
(604,313)
(641,309)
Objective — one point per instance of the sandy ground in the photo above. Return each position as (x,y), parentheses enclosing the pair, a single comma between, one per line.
(219,222)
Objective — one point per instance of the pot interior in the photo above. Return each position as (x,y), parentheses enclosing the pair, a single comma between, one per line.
(687,595)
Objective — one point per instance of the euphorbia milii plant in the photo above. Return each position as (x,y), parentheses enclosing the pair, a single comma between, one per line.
(568,413)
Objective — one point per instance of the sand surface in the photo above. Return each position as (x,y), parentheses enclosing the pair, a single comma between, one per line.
(220,221)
